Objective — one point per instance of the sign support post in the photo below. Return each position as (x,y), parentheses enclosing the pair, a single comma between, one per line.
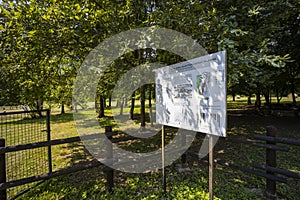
(163,158)
(211,166)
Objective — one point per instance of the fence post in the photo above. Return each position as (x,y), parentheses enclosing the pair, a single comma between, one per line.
(271,161)
(48,139)
(109,152)
(3,194)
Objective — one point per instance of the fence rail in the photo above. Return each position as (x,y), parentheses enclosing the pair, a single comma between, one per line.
(251,171)
(4,184)
(19,128)
(11,184)
(47,143)
(259,144)
(270,169)
(277,139)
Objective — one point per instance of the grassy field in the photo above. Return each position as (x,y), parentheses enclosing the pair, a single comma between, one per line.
(191,184)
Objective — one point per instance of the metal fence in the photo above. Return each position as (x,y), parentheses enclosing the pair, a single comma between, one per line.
(25,127)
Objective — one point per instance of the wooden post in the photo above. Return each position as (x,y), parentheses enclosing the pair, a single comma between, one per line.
(49,139)
(109,152)
(210,166)
(3,194)
(164,181)
(271,162)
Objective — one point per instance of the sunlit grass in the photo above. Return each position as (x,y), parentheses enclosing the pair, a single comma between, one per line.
(193,184)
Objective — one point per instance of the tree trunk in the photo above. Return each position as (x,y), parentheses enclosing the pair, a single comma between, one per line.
(267,96)
(41,104)
(249,100)
(277,95)
(104,102)
(126,102)
(131,113)
(150,105)
(293,92)
(149,97)
(39,107)
(143,113)
(270,103)
(122,106)
(96,105)
(62,107)
(109,102)
(257,101)
(153,93)
(101,107)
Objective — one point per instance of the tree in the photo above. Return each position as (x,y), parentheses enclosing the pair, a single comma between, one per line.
(39,38)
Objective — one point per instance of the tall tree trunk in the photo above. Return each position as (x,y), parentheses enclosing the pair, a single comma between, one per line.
(41,104)
(257,100)
(104,102)
(122,106)
(277,95)
(249,100)
(293,91)
(62,107)
(101,107)
(126,102)
(131,112)
(149,97)
(267,96)
(150,105)
(143,113)
(39,107)
(270,102)
(109,101)
(96,104)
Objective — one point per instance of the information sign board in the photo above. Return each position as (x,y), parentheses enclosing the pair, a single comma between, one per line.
(192,94)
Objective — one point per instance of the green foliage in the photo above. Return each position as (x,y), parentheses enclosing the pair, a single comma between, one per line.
(40,37)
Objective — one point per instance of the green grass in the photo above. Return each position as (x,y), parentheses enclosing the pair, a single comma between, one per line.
(90,184)
(193,184)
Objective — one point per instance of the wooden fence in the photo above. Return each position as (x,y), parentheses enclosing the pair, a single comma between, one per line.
(6,149)
(270,171)
(23,127)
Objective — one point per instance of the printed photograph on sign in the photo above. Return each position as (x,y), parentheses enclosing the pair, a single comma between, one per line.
(192,94)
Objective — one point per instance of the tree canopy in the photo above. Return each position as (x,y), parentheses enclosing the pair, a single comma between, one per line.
(44,42)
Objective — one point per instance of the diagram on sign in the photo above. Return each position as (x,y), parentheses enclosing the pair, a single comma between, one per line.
(192,94)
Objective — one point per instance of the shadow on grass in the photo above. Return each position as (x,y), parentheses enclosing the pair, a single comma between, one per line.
(11,120)
(229,184)
(62,118)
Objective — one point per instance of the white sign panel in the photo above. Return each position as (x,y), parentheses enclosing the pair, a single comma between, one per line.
(192,94)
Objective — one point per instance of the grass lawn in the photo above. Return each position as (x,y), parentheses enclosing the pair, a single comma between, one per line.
(190,184)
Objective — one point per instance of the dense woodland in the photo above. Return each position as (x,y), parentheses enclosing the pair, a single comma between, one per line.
(44,42)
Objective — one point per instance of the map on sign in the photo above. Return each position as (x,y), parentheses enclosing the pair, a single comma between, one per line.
(192,95)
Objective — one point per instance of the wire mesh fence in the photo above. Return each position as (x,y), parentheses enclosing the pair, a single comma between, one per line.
(22,128)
